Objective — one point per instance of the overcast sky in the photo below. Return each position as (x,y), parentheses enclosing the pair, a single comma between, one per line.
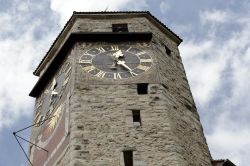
(215,52)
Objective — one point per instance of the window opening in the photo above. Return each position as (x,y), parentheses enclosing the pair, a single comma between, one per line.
(142,88)
(128,158)
(168,51)
(136,117)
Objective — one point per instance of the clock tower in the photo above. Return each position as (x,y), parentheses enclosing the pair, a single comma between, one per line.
(112,91)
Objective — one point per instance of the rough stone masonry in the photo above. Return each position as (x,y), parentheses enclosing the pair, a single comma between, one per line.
(101,124)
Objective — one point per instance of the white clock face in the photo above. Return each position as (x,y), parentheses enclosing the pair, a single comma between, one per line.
(115,61)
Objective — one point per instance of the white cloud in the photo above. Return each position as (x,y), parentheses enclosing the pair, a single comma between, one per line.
(65,8)
(164,7)
(217,67)
(230,142)
(204,62)
(182,29)
(5,18)
(20,52)
(216,16)
(211,56)
(17,79)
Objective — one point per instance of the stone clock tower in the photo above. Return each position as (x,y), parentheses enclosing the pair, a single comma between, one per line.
(112,91)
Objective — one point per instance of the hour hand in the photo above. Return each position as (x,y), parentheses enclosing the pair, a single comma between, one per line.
(117,54)
(113,66)
(54,93)
(124,65)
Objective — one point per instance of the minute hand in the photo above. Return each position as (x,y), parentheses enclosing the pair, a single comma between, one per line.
(124,65)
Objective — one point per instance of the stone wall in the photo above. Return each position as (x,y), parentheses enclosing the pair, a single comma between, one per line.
(171,133)
(101,124)
(102,128)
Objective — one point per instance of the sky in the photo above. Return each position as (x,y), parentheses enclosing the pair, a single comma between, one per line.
(215,52)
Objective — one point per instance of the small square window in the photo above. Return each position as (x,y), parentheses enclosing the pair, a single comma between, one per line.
(120,27)
(168,51)
(142,88)
(136,118)
(128,158)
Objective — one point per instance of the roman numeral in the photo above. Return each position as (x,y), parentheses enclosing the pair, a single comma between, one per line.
(39,104)
(85,60)
(37,115)
(65,81)
(68,71)
(39,121)
(140,53)
(146,60)
(128,49)
(143,67)
(100,49)
(88,68)
(88,54)
(114,48)
(117,75)
(100,74)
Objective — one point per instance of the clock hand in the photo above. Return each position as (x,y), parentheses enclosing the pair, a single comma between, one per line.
(39,104)
(54,93)
(124,65)
(117,54)
(52,88)
(113,66)
(53,84)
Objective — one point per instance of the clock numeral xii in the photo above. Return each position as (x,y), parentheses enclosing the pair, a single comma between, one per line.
(114,48)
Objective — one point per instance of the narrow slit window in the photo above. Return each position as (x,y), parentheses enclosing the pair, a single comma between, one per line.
(120,27)
(136,117)
(128,158)
(142,88)
(168,51)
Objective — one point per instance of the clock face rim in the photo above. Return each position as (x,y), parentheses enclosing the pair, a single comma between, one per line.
(48,103)
(52,132)
(90,68)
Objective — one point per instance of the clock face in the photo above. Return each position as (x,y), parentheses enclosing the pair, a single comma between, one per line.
(52,94)
(115,61)
(52,120)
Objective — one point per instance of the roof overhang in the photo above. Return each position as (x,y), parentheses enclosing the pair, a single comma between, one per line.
(84,37)
(222,162)
(66,32)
